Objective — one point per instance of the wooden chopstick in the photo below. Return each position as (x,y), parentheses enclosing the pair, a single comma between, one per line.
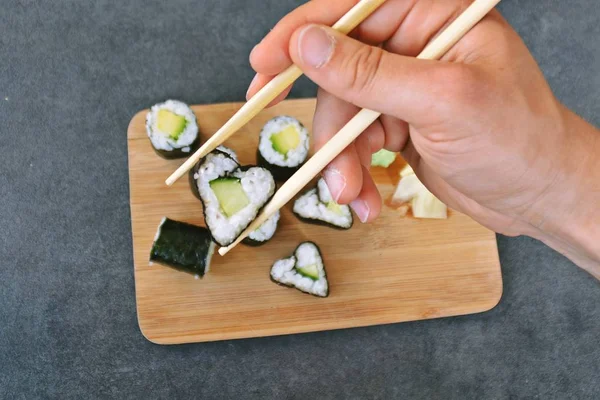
(435,50)
(274,88)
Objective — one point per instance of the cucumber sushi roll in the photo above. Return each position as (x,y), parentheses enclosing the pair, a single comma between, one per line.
(304,270)
(183,246)
(232,196)
(216,162)
(283,146)
(263,233)
(317,206)
(172,129)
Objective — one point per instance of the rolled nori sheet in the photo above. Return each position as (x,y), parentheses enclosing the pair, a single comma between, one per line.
(281,174)
(178,153)
(183,246)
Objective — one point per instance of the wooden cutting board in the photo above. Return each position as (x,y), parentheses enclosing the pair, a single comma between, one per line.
(396,269)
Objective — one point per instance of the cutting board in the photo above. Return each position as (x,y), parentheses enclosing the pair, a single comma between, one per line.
(395,269)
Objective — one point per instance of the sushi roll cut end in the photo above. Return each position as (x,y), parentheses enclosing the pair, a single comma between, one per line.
(232,196)
(318,206)
(304,271)
(283,146)
(182,246)
(172,129)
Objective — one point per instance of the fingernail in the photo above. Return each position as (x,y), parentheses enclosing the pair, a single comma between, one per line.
(251,85)
(315,46)
(335,182)
(361,209)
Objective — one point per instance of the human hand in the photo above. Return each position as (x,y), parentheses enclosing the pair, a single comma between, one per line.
(481,127)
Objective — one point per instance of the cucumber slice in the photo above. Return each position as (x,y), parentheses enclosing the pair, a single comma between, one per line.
(335,207)
(230,194)
(170,123)
(286,140)
(309,271)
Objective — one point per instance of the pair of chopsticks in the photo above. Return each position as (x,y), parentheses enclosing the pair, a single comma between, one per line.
(436,49)
(270,91)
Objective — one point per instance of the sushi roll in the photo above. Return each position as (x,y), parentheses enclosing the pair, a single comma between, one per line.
(283,146)
(304,270)
(317,206)
(183,246)
(172,129)
(216,162)
(263,233)
(232,196)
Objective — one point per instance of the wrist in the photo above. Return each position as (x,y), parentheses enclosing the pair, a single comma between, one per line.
(567,216)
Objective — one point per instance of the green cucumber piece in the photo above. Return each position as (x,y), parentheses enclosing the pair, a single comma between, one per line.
(170,123)
(309,271)
(383,158)
(286,140)
(335,207)
(230,194)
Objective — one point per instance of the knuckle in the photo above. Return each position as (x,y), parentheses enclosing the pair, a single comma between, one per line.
(361,70)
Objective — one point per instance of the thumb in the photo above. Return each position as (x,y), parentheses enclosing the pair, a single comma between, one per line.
(367,76)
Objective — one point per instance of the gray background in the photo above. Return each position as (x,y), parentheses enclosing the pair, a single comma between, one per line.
(75,72)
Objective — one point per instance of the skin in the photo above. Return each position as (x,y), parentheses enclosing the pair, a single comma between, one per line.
(481,127)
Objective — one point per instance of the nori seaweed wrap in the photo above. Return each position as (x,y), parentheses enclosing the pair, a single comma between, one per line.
(183,246)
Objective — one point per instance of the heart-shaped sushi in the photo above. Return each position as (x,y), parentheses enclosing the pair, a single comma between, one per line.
(317,206)
(304,270)
(232,196)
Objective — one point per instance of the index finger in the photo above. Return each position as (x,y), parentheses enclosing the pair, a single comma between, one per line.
(271,55)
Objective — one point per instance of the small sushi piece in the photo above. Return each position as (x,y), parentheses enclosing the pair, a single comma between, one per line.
(263,233)
(172,129)
(216,163)
(304,270)
(317,206)
(232,196)
(283,146)
(183,246)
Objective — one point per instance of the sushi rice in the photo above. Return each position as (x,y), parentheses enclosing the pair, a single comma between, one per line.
(264,232)
(161,140)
